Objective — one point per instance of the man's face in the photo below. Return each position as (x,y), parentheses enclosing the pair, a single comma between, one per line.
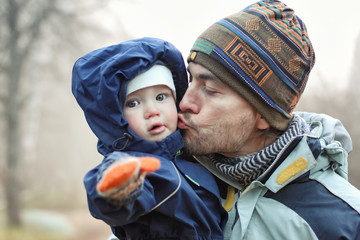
(151,112)
(215,118)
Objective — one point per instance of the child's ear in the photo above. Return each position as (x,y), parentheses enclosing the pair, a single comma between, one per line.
(261,123)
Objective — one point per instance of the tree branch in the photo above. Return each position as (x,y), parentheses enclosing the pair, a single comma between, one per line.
(35,27)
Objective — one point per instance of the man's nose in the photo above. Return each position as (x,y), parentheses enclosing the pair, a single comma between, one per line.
(190,102)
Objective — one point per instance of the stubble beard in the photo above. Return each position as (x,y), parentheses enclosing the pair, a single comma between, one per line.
(226,138)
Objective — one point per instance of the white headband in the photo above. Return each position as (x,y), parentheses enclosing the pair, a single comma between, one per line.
(156,75)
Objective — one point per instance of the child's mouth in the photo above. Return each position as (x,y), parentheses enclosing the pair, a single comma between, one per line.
(156,129)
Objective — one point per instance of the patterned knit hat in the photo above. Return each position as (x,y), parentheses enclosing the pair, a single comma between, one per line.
(264,53)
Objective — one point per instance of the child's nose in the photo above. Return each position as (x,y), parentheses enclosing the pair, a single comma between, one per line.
(151,111)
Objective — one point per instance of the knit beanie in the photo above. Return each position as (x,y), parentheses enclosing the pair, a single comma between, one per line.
(263,53)
(156,75)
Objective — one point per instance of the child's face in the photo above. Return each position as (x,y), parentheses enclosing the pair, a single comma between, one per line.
(151,112)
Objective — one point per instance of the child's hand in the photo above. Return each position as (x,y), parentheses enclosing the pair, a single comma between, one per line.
(125,175)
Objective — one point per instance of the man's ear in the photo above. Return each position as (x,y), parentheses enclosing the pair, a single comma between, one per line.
(261,123)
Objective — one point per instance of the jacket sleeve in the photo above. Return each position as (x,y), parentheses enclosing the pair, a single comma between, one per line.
(111,158)
(143,200)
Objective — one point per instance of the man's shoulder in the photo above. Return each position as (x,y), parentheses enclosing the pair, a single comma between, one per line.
(323,202)
(340,187)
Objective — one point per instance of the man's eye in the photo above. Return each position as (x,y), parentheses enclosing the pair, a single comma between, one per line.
(132,103)
(161,97)
(209,91)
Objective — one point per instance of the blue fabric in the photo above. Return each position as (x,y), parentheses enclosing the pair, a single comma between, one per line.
(192,212)
(328,215)
(102,75)
(169,205)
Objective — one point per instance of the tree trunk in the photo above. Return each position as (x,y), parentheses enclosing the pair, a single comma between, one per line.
(13,196)
(13,148)
(12,110)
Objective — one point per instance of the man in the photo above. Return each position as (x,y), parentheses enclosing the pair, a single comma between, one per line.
(247,73)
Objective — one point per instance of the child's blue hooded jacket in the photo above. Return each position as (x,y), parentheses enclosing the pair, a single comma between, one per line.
(181,200)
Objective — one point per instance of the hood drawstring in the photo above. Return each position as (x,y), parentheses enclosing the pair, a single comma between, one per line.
(126,136)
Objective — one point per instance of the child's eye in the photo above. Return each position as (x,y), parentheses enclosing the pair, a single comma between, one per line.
(161,97)
(132,103)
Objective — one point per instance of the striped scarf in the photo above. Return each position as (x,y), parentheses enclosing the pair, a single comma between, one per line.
(245,169)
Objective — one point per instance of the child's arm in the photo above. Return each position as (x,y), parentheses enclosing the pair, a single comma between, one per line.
(152,192)
(125,175)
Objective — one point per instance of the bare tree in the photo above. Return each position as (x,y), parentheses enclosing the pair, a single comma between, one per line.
(24,27)
(19,38)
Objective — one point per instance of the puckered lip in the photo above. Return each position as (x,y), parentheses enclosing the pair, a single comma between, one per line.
(181,122)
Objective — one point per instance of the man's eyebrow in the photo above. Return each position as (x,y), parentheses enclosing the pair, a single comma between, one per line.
(204,75)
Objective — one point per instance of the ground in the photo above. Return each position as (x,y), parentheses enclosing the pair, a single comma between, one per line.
(57,225)
(87,227)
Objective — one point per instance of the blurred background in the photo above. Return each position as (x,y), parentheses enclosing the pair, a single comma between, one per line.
(46,146)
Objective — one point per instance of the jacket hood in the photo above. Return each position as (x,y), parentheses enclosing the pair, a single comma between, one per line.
(328,128)
(100,79)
